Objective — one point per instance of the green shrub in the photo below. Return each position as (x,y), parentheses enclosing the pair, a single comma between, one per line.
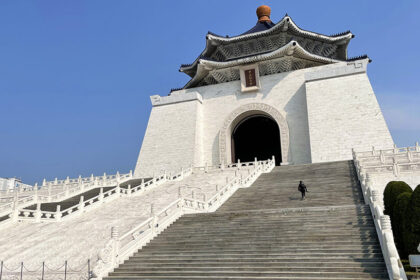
(415,210)
(400,220)
(411,236)
(392,190)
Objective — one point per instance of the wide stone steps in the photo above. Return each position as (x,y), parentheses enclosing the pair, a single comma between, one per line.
(250,273)
(255,264)
(295,277)
(307,244)
(267,232)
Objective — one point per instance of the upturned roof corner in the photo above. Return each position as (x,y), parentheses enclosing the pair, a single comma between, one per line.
(266,39)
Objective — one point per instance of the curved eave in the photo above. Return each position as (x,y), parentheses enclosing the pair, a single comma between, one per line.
(285,21)
(204,66)
(284,24)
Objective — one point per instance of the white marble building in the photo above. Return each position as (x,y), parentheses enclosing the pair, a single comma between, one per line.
(321,102)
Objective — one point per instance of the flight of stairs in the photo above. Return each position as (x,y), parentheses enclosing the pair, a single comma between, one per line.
(267,232)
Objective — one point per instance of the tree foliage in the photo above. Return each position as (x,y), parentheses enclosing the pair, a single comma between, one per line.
(412,228)
(400,221)
(402,204)
(392,190)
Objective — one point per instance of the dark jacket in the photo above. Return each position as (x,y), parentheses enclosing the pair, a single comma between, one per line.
(302,187)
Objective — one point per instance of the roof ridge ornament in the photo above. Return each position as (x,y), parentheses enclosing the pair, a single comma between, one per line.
(263,13)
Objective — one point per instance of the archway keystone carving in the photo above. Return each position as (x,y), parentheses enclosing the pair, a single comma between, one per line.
(246,110)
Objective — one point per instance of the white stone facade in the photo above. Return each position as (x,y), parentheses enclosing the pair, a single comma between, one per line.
(322,112)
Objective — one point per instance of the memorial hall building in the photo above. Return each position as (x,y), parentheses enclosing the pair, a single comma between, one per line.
(275,89)
(269,163)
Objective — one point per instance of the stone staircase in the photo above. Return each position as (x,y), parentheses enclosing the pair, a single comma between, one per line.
(267,232)
(82,236)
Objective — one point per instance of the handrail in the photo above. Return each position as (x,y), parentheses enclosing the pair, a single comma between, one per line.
(384,156)
(87,205)
(382,224)
(113,253)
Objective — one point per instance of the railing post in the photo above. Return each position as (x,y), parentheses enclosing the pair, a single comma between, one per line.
(88,269)
(385,222)
(375,196)
(101,195)
(116,246)
(409,155)
(44,182)
(35,193)
(15,213)
(79,179)
(56,181)
(142,184)
(130,174)
(38,213)
(417,147)
(255,161)
(118,189)
(58,213)
(395,168)
(239,164)
(81,204)
(368,181)
(91,177)
(152,209)
(382,156)
(67,180)
(117,176)
(194,204)
(129,190)
(65,270)
(43,271)
(273,159)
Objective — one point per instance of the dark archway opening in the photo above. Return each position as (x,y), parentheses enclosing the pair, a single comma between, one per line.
(256,136)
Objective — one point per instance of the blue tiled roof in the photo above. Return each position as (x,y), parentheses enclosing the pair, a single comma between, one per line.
(260,26)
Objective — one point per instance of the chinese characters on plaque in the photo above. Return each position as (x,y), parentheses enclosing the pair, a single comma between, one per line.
(250,79)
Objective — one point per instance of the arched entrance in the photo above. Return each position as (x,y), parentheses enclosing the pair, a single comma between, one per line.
(256,136)
(242,113)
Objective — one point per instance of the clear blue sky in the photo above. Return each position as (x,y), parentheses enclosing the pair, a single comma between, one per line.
(76,76)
